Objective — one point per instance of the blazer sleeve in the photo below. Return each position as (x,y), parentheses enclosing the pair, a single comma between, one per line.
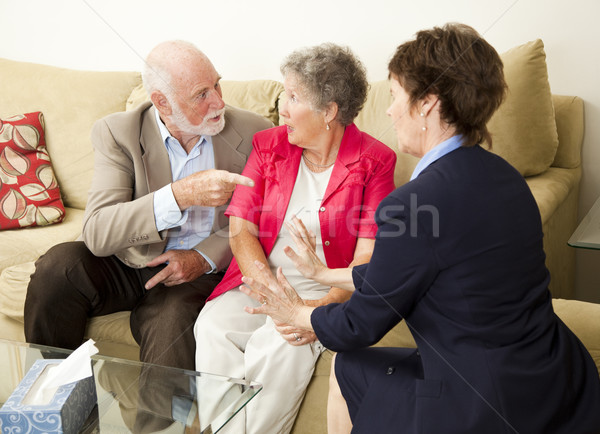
(117,216)
(401,270)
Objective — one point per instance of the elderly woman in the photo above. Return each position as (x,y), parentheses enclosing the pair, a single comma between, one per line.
(459,257)
(322,169)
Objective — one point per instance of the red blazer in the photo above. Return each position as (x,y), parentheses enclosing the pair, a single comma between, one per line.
(362,176)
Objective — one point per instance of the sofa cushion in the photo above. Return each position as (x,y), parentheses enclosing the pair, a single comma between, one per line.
(29,193)
(258,96)
(523,129)
(373,120)
(582,318)
(27,244)
(13,289)
(71,102)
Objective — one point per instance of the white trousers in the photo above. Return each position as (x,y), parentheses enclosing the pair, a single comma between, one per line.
(234,343)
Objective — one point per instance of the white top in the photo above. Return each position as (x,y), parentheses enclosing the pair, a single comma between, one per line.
(305,202)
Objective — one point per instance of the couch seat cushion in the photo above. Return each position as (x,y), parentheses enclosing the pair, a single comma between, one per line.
(583,319)
(27,244)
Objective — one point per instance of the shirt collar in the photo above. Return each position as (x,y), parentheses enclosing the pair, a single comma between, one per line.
(436,153)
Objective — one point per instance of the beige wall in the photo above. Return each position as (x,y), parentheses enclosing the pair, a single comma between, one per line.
(248,39)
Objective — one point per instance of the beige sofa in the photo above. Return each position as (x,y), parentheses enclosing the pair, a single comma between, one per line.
(539,133)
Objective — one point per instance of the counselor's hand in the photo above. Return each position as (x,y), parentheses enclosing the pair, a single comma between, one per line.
(278,299)
(207,188)
(305,258)
(183,266)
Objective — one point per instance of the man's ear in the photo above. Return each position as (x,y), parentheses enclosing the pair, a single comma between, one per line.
(161,103)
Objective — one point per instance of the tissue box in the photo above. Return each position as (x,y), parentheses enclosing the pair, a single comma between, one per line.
(65,413)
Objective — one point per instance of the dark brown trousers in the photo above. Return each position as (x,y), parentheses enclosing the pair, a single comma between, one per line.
(70,285)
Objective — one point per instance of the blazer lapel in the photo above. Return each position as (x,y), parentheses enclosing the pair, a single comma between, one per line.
(155,156)
(225,146)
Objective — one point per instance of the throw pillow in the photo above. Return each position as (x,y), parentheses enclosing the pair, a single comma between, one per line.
(29,193)
(524,129)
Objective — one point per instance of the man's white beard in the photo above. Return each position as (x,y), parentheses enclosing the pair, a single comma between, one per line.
(204,129)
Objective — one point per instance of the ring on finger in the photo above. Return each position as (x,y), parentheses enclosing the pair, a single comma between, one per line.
(263,301)
(297,337)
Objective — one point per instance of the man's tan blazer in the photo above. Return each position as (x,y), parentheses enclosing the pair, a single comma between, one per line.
(131,163)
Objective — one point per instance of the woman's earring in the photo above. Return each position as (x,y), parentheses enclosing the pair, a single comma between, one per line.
(424,127)
(327,127)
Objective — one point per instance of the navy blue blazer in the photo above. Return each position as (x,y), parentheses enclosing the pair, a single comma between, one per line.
(459,256)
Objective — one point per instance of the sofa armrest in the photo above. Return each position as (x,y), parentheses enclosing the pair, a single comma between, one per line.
(568,113)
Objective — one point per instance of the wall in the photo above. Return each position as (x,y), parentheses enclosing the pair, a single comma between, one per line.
(248,39)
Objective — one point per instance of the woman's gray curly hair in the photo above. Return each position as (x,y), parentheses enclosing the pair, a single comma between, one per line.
(330,73)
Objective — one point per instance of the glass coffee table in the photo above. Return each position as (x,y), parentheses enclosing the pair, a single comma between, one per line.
(138,397)
(587,234)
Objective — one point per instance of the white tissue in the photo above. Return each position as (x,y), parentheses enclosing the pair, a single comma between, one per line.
(74,368)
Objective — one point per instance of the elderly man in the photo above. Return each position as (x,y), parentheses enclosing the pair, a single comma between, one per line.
(154,234)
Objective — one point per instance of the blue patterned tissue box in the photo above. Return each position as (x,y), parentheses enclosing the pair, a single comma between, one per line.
(65,413)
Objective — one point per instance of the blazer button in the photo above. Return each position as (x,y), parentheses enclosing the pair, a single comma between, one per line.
(390,370)
(326,243)
(322,209)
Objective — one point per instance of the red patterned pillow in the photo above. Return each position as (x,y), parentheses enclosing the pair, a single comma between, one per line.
(29,194)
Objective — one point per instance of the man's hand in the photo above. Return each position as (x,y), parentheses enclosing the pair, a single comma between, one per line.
(207,188)
(184,266)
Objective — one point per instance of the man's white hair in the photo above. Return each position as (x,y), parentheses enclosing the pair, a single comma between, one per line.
(156,74)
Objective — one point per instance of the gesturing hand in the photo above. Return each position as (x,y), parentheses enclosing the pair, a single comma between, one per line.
(305,257)
(184,266)
(293,335)
(278,299)
(207,188)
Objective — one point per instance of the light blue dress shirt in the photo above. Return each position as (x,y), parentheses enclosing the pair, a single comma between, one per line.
(185,229)
(436,153)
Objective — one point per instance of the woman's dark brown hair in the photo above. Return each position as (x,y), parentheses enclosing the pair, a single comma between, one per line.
(457,65)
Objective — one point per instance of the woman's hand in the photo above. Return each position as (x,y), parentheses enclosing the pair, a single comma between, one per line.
(278,299)
(305,259)
(293,335)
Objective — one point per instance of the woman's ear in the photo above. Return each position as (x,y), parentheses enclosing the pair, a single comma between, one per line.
(427,104)
(331,112)
(161,103)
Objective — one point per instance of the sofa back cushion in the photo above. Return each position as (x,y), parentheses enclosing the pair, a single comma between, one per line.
(258,96)
(373,120)
(71,102)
